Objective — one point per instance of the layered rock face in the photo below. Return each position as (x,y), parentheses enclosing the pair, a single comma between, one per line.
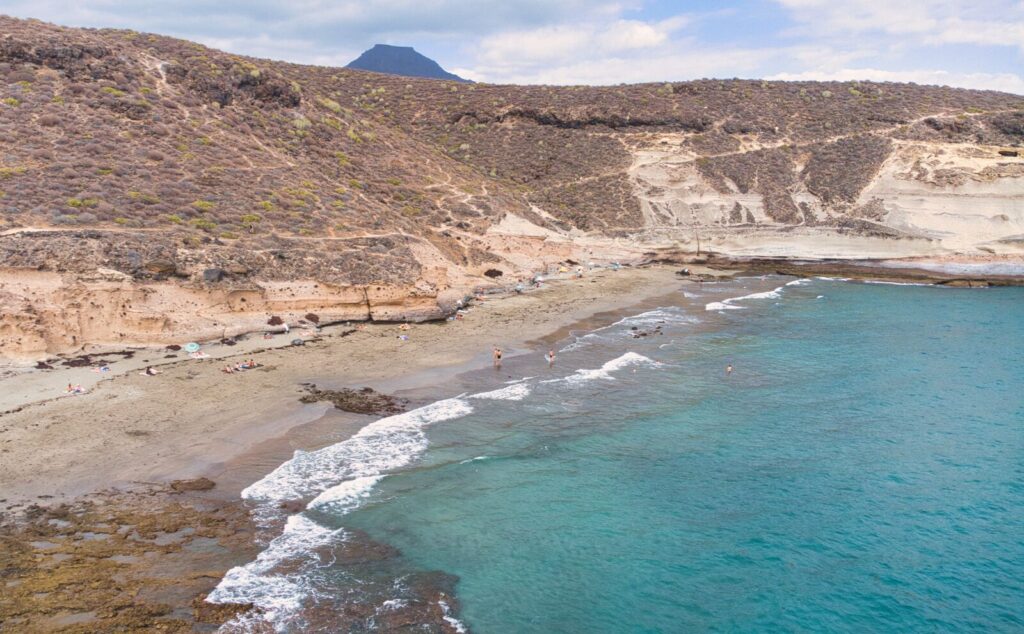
(154,190)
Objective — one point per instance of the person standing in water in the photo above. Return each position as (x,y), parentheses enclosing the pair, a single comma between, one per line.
(551,357)
(728,369)
(497,357)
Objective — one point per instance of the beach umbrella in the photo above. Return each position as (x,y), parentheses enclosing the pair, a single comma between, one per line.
(192,347)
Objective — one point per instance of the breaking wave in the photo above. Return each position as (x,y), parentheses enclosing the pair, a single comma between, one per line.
(729,304)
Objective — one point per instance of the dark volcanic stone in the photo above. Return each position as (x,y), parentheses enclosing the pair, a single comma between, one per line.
(364,401)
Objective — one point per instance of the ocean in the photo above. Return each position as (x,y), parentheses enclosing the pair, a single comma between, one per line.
(860,469)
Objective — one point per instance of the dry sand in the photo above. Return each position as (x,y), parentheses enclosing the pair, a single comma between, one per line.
(193,417)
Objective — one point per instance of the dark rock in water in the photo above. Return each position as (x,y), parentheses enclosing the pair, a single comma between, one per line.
(197,484)
(213,275)
(401,60)
(364,401)
(292,506)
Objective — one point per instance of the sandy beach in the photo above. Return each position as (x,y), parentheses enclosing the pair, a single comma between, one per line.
(192,418)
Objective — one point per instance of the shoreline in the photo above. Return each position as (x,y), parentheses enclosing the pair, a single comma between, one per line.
(192,417)
(50,536)
(133,525)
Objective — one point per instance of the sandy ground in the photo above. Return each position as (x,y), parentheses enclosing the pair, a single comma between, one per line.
(130,428)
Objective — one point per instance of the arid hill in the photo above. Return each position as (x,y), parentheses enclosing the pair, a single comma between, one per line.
(153,189)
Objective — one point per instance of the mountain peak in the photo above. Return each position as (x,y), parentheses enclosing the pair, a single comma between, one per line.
(400,60)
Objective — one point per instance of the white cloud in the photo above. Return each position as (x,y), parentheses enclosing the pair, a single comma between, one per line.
(599,41)
(979,22)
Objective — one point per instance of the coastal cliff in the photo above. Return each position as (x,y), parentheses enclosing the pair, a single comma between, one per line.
(153,190)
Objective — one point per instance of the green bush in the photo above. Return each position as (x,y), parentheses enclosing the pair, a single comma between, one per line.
(203,223)
(203,206)
(330,104)
(147,199)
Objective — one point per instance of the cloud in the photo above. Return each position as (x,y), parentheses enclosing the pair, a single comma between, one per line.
(601,41)
(979,22)
(564,45)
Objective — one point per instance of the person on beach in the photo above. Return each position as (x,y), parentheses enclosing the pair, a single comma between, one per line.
(497,357)
(551,357)
(151,371)
(728,369)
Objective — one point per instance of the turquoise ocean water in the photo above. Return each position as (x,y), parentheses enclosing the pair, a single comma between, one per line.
(862,469)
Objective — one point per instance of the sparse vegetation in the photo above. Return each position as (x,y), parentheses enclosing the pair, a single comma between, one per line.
(268,150)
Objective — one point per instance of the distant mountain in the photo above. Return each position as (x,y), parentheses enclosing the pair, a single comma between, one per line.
(401,60)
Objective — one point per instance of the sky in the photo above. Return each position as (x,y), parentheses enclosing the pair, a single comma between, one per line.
(965,43)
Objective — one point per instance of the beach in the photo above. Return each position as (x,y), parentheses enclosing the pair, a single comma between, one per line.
(193,417)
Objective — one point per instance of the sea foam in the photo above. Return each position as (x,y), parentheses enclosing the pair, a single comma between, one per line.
(340,476)
(605,371)
(346,496)
(728,304)
(514,392)
(384,445)
(657,316)
(276,590)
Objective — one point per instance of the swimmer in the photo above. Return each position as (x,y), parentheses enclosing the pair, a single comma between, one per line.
(551,357)
(496,355)
(728,369)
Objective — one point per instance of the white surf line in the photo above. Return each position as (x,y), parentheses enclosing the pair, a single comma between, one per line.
(605,371)
(341,476)
(514,392)
(728,304)
(897,283)
(662,314)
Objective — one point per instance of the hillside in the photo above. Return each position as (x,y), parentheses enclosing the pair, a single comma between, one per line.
(153,189)
(400,60)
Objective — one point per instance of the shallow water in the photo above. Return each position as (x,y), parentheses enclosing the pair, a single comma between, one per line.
(862,469)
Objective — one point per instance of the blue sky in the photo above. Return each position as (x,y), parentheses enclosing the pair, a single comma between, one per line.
(968,43)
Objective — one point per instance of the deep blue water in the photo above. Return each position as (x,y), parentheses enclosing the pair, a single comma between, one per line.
(862,469)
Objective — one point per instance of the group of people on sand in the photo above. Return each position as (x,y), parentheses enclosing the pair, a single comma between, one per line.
(240,367)
(75,389)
